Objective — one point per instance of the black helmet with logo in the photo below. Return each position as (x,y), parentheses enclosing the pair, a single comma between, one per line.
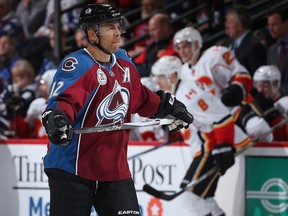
(92,15)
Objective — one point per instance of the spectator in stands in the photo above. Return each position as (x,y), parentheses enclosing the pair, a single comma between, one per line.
(265,37)
(31,14)
(9,23)
(148,7)
(8,56)
(64,43)
(38,106)
(247,48)
(161,32)
(40,50)
(122,5)
(80,41)
(278,53)
(69,19)
(49,60)
(222,74)
(267,80)
(15,100)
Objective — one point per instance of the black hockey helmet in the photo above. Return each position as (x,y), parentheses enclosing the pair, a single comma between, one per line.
(92,15)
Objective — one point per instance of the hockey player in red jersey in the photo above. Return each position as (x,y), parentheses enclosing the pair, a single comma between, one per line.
(94,86)
(223,75)
(212,140)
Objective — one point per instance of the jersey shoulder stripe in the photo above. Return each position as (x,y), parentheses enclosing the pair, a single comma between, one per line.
(121,54)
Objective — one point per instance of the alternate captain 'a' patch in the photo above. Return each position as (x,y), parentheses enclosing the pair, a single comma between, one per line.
(126,75)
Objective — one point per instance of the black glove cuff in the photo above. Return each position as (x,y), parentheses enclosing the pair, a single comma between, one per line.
(166,104)
(58,126)
(44,117)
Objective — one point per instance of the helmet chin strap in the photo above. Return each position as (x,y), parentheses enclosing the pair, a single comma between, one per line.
(99,45)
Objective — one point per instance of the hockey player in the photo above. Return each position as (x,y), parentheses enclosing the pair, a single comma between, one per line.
(38,106)
(212,141)
(219,70)
(267,80)
(94,86)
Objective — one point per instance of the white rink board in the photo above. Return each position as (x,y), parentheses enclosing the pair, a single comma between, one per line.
(24,188)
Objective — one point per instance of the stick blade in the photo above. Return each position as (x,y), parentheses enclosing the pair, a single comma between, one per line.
(150,190)
(158,194)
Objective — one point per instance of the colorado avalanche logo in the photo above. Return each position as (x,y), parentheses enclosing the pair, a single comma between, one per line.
(68,64)
(115,105)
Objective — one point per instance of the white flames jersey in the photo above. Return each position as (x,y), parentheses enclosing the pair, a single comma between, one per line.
(204,106)
(210,114)
(206,109)
(215,68)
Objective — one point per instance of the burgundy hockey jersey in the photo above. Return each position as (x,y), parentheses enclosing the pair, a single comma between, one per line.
(92,94)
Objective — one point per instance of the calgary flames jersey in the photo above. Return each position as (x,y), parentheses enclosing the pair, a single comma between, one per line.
(213,123)
(217,68)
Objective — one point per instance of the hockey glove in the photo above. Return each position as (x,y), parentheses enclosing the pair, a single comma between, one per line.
(169,105)
(58,127)
(232,95)
(223,156)
(258,129)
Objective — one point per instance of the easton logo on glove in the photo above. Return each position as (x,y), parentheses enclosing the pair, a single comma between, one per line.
(172,99)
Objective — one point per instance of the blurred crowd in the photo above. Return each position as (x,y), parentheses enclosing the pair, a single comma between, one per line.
(28,62)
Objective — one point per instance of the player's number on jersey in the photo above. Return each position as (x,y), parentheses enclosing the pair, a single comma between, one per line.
(56,86)
(202,104)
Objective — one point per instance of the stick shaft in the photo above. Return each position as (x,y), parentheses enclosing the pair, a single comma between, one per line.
(153,149)
(124,126)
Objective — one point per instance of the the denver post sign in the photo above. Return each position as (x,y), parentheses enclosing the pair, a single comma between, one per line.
(266,186)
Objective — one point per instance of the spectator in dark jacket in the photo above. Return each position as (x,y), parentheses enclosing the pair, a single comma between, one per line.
(161,32)
(277,53)
(246,46)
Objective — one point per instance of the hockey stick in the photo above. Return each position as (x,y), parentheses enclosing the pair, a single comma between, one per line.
(154,148)
(195,123)
(162,195)
(124,126)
